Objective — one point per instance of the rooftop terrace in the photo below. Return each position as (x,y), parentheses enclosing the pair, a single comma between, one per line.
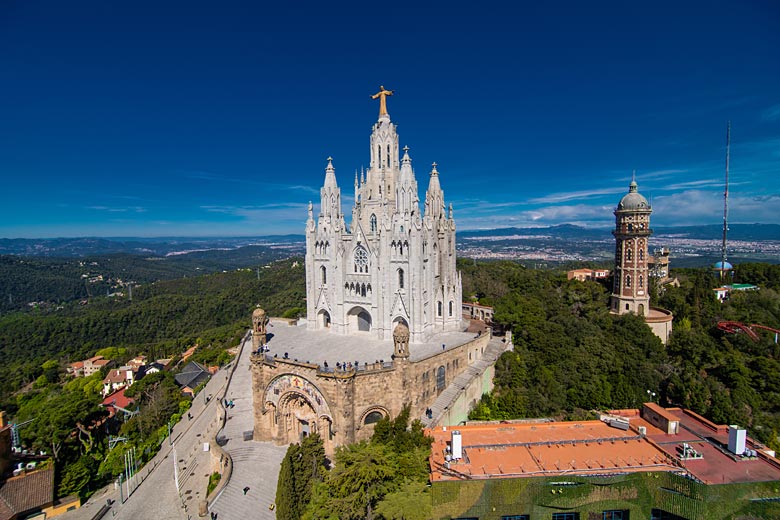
(585,448)
(319,346)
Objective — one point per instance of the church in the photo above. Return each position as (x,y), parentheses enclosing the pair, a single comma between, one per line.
(384,324)
(392,264)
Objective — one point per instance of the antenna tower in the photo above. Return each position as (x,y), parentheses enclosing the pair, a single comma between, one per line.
(723,254)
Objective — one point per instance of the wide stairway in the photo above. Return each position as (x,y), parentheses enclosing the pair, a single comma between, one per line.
(450,394)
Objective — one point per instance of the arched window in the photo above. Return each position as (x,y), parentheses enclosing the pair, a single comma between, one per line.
(388,155)
(400,278)
(324,274)
(641,281)
(450,308)
(641,254)
(363,290)
(373,223)
(373,417)
(628,253)
(438,306)
(440,378)
(628,280)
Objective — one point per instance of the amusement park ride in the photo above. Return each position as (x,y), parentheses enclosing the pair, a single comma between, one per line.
(734,327)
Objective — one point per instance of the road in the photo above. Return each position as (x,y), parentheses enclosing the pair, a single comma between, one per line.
(255,464)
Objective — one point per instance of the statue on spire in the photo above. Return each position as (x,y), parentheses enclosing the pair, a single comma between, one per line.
(382,95)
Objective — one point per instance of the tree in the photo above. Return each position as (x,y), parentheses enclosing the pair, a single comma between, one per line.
(302,467)
(363,475)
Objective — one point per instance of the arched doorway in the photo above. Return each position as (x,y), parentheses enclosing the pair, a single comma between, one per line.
(359,320)
(299,419)
(324,319)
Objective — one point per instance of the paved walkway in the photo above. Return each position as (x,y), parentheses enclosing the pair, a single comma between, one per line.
(156,495)
(255,464)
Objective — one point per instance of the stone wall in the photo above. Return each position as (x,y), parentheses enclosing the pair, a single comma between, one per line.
(293,397)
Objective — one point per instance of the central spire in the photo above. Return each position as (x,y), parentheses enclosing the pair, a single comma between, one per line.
(382,95)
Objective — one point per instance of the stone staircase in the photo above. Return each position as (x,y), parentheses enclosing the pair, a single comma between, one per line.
(445,399)
(255,465)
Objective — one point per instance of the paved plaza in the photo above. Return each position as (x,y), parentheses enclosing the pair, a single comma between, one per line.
(320,346)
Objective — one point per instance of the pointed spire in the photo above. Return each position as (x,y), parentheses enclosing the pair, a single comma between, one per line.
(449,215)
(406,157)
(330,174)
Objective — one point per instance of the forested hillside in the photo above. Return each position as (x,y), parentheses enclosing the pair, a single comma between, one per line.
(37,281)
(163,319)
(571,356)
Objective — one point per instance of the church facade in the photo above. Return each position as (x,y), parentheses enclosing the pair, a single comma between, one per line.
(392,263)
(384,326)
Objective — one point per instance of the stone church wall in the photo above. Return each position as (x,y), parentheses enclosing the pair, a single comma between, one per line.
(348,396)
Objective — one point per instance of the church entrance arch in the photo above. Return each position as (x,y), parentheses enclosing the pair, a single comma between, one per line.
(398,320)
(359,320)
(324,319)
(297,409)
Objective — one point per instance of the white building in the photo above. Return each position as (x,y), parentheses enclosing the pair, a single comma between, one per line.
(392,263)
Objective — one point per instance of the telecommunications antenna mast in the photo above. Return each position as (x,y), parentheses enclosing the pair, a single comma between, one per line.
(723,254)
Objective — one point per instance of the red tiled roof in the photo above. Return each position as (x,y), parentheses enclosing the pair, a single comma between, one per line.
(544,449)
(119,399)
(27,493)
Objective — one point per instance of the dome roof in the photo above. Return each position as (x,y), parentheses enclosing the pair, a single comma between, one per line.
(258,313)
(633,200)
(721,265)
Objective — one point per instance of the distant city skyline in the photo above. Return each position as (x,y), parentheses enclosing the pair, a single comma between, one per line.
(191,119)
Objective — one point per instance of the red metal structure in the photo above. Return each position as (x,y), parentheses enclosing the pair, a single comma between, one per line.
(734,327)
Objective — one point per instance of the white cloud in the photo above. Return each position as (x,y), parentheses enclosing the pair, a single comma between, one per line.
(772,113)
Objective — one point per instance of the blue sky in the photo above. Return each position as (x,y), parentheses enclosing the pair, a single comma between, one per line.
(216,118)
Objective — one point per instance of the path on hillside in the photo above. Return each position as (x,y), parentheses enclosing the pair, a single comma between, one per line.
(255,464)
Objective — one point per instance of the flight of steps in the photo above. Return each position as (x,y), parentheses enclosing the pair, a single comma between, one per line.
(445,399)
(255,465)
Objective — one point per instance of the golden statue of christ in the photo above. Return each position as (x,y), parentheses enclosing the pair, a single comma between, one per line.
(382,95)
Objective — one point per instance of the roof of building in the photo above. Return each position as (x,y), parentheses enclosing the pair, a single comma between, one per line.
(720,265)
(119,399)
(717,465)
(192,375)
(27,492)
(588,448)
(633,200)
(117,375)
(543,450)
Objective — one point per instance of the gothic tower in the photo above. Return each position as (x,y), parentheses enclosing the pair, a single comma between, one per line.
(391,265)
(630,291)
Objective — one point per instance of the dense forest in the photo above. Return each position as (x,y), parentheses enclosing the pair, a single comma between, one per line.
(162,320)
(571,356)
(41,282)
